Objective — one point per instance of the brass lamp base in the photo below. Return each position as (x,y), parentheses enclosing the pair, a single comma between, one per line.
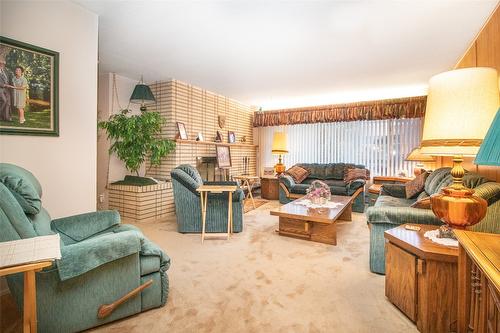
(456,205)
(279,168)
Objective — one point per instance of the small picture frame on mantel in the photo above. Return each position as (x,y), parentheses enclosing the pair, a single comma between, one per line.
(182,131)
(231,137)
(218,137)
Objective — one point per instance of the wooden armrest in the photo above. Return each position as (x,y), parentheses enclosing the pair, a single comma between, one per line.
(382,179)
(106,309)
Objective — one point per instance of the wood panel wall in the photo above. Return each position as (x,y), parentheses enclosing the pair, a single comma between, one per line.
(483,52)
(199,109)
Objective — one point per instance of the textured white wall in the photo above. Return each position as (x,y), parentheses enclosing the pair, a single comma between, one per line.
(65,165)
(109,103)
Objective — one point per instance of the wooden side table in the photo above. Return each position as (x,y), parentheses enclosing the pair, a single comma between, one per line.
(29,312)
(421,278)
(247,182)
(204,190)
(269,187)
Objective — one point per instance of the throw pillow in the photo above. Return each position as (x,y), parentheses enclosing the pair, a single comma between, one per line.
(422,203)
(297,173)
(354,173)
(416,185)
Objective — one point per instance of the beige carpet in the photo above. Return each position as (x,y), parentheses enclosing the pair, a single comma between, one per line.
(262,282)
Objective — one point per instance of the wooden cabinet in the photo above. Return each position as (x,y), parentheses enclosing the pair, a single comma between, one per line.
(421,279)
(479,282)
(269,187)
(401,280)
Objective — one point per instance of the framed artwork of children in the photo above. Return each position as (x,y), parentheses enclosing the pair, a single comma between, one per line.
(231,137)
(182,130)
(29,87)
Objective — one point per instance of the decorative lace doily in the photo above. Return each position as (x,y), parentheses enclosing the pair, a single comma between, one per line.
(328,204)
(433,236)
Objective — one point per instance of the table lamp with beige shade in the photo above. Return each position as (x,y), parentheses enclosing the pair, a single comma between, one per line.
(279,148)
(416,156)
(461,105)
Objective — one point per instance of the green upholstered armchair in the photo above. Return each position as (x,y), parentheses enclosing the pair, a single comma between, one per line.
(392,208)
(185,180)
(102,259)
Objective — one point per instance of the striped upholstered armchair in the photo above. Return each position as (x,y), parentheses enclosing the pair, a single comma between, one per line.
(392,209)
(185,180)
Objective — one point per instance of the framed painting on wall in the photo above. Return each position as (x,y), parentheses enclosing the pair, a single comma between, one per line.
(29,87)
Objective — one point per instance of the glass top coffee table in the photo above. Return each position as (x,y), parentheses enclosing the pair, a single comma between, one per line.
(314,224)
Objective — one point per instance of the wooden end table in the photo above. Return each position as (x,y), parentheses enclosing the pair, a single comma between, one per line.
(29,301)
(269,187)
(421,278)
(317,225)
(204,190)
(247,182)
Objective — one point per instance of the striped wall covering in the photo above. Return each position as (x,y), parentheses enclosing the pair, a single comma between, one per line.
(199,109)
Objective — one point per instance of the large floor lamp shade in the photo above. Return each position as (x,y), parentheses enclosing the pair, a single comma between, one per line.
(142,95)
(279,148)
(461,105)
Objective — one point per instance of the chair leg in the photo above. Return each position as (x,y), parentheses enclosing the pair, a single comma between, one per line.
(229,214)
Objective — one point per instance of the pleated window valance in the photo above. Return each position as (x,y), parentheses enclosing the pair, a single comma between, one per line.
(410,107)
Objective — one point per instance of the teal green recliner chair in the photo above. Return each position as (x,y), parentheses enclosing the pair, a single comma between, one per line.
(102,259)
(185,180)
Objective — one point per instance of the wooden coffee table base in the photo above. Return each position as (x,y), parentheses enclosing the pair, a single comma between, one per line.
(313,231)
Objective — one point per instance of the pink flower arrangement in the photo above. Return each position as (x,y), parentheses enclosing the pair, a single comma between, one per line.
(318,192)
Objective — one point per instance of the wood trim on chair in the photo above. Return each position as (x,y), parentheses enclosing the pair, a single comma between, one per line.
(379,179)
(290,195)
(287,193)
(107,309)
(358,192)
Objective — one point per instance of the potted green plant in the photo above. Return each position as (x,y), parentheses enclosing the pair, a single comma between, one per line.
(135,138)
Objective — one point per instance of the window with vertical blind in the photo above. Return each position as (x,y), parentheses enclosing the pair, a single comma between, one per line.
(380,145)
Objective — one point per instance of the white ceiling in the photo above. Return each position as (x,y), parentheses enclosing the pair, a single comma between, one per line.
(284,54)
